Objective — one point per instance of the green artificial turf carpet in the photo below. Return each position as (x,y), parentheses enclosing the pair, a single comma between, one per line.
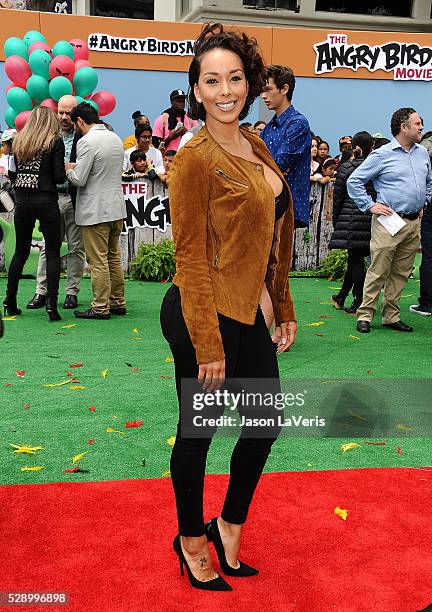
(125,376)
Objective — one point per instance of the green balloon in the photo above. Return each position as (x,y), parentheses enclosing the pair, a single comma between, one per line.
(79,99)
(32,36)
(85,80)
(38,88)
(15,46)
(93,103)
(63,47)
(10,116)
(60,86)
(39,62)
(19,99)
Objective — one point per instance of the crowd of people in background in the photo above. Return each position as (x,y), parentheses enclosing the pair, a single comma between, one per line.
(304,157)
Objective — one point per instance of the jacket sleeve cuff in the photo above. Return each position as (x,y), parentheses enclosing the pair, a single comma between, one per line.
(283,311)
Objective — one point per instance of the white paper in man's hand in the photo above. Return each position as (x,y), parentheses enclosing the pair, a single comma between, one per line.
(393,223)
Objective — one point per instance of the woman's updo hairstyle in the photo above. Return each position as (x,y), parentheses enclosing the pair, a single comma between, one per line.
(213,36)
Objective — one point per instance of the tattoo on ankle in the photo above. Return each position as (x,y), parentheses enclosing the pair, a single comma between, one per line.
(203,561)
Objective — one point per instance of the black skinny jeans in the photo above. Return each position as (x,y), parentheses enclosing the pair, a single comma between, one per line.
(249,353)
(26,215)
(355,274)
(425,298)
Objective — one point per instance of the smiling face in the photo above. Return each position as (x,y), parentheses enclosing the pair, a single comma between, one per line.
(222,86)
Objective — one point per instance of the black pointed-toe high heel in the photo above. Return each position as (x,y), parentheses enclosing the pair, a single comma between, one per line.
(213,535)
(217,584)
(51,308)
(10,306)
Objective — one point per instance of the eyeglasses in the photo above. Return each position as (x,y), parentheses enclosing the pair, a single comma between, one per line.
(145,138)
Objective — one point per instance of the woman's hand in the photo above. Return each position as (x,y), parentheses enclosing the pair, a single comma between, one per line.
(212,375)
(284,335)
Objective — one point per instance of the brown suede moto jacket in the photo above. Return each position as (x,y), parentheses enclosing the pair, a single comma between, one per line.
(227,242)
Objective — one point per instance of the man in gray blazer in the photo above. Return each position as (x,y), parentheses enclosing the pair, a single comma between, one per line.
(100,209)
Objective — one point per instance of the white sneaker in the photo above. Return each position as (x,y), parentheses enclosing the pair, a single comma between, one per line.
(421,310)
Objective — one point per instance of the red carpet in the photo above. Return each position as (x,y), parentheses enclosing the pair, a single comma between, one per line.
(108,544)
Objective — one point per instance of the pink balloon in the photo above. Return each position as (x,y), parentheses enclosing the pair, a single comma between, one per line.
(62,66)
(39,45)
(106,102)
(18,70)
(21,119)
(10,87)
(81,63)
(49,103)
(81,50)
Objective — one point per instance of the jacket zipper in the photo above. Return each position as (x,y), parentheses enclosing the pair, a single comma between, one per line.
(213,233)
(230,178)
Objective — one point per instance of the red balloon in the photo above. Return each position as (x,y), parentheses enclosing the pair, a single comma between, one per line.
(18,70)
(81,50)
(39,45)
(62,65)
(81,63)
(21,119)
(49,103)
(106,102)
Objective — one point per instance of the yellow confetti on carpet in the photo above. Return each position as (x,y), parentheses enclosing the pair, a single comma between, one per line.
(36,468)
(77,387)
(69,326)
(111,430)
(349,446)
(357,416)
(166,474)
(355,337)
(315,324)
(104,373)
(13,318)
(60,384)
(169,360)
(28,450)
(171,441)
(78,457)
(341,512)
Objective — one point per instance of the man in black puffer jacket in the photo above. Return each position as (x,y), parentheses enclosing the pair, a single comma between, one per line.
(352,227)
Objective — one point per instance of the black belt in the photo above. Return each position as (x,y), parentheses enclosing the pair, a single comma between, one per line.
(410,216)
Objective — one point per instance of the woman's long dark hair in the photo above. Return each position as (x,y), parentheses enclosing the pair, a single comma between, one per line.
(364,141)
(213,36)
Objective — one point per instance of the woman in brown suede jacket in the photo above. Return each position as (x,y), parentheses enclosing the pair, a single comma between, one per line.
(232,220)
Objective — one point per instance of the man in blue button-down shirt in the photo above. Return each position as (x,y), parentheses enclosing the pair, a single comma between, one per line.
(288,138)
(402,177)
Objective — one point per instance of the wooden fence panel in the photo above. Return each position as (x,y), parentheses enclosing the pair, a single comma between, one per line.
(310,245)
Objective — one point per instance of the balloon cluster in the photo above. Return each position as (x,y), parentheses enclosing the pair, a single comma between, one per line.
(41,76)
